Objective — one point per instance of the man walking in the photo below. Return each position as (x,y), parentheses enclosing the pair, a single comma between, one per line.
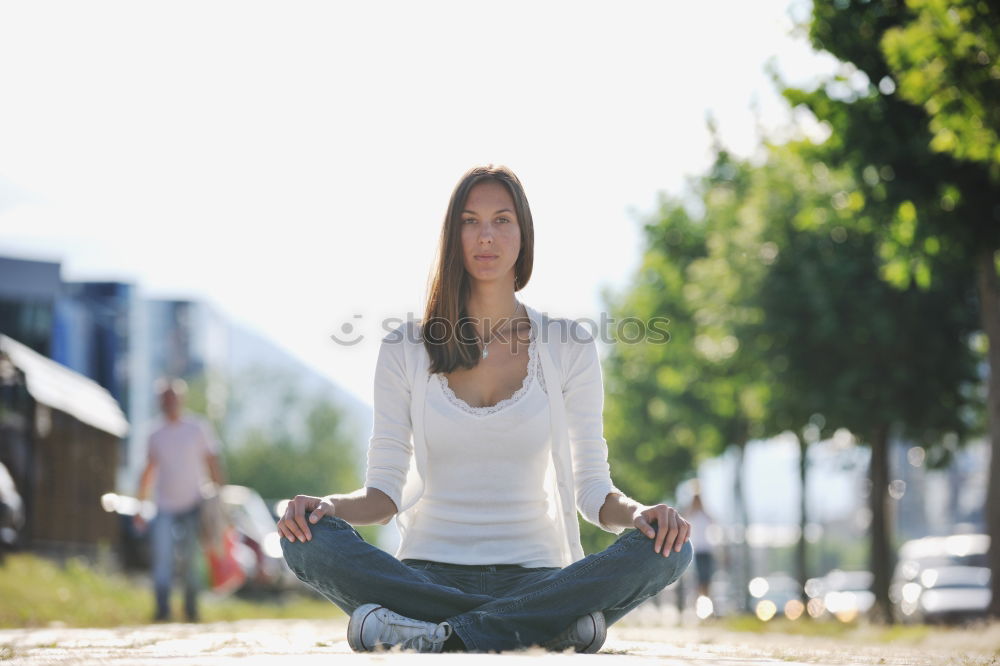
(180,452)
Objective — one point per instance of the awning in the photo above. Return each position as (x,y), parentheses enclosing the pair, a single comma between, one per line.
(58,387)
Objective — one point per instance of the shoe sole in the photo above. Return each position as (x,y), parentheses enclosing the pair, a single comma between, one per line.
(357,621)
(600,633)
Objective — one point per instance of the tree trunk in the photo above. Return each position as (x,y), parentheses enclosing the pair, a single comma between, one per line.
(881,555)
(800,550)
(989,312)
(741,512)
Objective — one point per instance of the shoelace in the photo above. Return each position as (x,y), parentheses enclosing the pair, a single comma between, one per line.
(421,640)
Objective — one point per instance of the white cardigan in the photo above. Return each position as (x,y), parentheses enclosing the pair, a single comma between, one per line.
(578,465)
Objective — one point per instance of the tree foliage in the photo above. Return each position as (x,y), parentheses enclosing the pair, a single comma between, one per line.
(945,60)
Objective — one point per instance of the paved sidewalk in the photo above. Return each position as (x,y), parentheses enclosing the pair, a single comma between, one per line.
(321,642)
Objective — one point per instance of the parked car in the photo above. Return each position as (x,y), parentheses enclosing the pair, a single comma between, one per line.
(259,548)
(845,595)
(942,579)
(134,546)
(776,594)
(258,530)
(11,512)
(954,594)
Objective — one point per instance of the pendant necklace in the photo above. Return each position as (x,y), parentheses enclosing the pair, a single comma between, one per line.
(486,352)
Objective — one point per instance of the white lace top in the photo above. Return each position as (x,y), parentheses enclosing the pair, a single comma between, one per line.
(485,502)
(534,373)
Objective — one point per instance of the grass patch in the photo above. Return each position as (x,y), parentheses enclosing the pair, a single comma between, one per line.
(37,592)
(751,623)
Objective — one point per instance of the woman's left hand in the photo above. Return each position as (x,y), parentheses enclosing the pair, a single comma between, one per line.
(671,530)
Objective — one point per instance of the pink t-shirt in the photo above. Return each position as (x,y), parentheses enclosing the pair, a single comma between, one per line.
(179,450)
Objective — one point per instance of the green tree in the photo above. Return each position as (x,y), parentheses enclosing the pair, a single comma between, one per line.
(855,351)
(653,445)
(929,213)
(672,405)
(779,321)
(945,57)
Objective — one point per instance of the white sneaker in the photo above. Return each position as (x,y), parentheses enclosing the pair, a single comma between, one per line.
(587,634)
(374,627)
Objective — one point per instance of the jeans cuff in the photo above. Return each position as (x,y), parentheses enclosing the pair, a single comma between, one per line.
(461,628)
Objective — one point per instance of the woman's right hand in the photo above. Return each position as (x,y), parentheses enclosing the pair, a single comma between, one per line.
(294,526)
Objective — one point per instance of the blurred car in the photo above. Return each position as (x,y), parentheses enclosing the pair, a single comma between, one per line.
(845,595)
(942,579)
(723,595)
(954,594)
(259,548)
(258,530)
(774,594)
(11,512)
(133,542)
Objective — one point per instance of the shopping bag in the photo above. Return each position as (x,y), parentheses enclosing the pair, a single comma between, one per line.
(225,572)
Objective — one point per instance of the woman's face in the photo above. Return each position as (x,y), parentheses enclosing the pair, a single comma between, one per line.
(490,229)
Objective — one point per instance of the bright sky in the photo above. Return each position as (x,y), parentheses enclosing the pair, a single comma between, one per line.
(290,163)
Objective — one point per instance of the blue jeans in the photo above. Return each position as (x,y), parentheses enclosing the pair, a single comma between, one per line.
(174,536)
(490,607)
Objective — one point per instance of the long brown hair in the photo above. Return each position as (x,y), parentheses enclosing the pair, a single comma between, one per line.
(449,284)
